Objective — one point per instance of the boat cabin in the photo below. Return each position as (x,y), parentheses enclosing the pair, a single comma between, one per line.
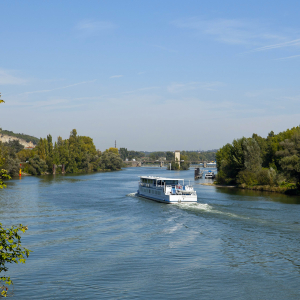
(160,181)
(167,190)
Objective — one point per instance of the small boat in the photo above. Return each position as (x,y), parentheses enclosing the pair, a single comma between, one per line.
(210,175)
(198,173)
(166,190)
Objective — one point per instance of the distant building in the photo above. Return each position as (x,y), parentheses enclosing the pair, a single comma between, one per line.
(177,157)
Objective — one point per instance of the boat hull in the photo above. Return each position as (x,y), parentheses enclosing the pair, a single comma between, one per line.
(169,199)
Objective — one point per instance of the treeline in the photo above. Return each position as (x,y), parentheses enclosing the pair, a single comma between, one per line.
(270,161)
(78,154)
(168,155)
(200,156)
(182,165)
(23,136)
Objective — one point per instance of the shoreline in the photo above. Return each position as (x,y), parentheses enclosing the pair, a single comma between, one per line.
(260,188)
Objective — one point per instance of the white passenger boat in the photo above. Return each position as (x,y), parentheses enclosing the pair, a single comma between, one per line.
(166,190)
(210,175)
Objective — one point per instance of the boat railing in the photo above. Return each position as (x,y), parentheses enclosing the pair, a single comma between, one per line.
(150,185)
(145,184)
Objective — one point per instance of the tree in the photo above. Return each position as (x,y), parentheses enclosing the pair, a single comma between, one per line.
(252,159)
(230,161)
(174,166)
(113,150)
(290,157)
(25,154)
(11,251)
(124,153)
(110,161)
(15,145)
(37,165)
(169,155)
(3,175)
(184,164)
(156,155)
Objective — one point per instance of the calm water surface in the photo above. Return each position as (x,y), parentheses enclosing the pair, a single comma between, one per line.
(94,239)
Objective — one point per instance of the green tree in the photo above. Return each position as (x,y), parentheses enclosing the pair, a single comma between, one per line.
(3,175)
(156,155)
(174,166)
(123,153)
(8,159)
(230,161)
(110,161)
(184,164)
(290,157)
(15,145)
(37,165)
(113,150)
(11,251)
(252,158)
(25,154)
(169,155)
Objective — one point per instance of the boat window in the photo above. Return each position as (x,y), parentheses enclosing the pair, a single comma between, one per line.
(171,182)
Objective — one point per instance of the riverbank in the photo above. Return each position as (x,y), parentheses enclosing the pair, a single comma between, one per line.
(266,188)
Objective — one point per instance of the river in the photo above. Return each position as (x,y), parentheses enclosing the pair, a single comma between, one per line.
(92,238)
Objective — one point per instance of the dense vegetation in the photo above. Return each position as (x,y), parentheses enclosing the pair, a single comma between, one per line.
(130,154)
(257,161)
(78,154)
(23,136)
(200,156)
(182,165)
(167,155)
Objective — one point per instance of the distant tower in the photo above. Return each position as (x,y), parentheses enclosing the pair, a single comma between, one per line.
(177,157)
(115,143)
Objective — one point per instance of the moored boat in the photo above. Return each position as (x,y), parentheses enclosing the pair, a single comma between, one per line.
(210,175)
(166,190)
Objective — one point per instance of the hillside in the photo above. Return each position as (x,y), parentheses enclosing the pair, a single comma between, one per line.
(25,139)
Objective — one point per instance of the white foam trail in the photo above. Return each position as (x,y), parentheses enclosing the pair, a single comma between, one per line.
(207,208)
(195,206)
(132,195)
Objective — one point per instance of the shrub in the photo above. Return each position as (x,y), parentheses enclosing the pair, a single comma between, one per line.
(247,177)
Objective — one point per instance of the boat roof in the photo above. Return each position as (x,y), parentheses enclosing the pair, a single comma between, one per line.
(160,178)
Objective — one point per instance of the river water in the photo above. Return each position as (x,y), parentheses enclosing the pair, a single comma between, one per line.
(92,238)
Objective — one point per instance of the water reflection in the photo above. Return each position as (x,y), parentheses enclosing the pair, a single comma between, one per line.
(251,195)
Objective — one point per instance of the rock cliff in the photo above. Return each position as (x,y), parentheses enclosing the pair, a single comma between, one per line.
(6,138)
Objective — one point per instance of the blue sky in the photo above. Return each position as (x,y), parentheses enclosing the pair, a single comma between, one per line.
(153,75)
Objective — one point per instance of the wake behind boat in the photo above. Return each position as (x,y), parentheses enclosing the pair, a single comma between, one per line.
(166,190)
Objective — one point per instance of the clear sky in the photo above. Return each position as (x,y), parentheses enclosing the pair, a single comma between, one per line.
(153,75)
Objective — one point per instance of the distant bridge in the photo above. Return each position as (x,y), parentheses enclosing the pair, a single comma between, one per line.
(166,162)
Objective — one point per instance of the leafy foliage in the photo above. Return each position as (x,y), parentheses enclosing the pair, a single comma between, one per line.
(37,165)
(11,251)
(290,157)
(8,159)
(110,161)
(274,160)
(15,145)
(78,154)
(3,175)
